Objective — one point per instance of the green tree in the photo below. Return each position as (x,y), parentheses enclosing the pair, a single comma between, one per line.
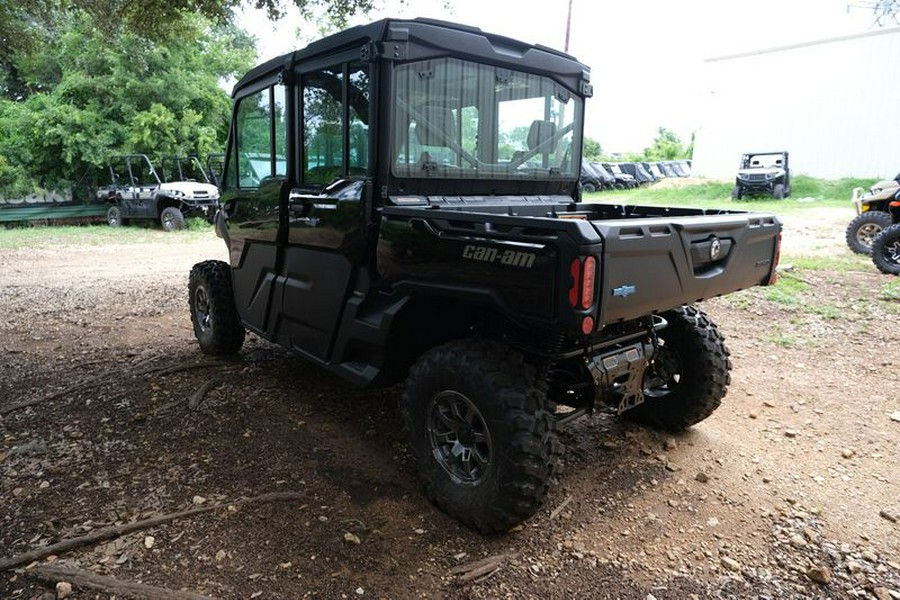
(591,150)
(90,93)
(666,146)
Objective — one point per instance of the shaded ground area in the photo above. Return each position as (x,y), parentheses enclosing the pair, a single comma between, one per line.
(793,481)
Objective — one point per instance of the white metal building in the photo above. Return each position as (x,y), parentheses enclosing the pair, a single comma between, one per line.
(834,104)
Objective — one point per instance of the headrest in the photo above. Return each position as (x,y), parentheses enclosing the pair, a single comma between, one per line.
(436,127)
(540,132)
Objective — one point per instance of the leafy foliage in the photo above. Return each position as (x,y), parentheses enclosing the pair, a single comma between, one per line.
(82,92)
(666,146)
(591,150)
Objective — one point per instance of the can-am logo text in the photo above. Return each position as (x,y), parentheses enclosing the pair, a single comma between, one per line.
(510,258)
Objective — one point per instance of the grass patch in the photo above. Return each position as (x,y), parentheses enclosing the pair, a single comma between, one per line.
(92,235)
(838,262)
(779,338)
(891,290)
(787,292)
(827,311)
(806,191)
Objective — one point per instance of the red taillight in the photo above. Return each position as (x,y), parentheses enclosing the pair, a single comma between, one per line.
(587,325)
(584,276)
(587,282)
(575,270)
(894,204)
(773,276)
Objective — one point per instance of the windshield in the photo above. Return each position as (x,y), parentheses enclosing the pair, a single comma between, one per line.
(459,119)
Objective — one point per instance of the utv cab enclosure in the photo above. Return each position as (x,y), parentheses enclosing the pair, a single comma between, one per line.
(419,218)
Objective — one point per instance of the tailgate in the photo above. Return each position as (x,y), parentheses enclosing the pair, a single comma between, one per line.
(655,264)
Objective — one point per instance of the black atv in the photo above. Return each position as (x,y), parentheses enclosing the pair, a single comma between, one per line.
(886,250)
(763,173)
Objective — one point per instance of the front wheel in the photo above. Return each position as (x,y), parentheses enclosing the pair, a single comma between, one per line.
(778,191)
(483,439)
(737,193)
(171,219)
(863,230)
(886,250)
(689,374)
(213,313)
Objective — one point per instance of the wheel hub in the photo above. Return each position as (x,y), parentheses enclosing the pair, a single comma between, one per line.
(201,305)
(459,437)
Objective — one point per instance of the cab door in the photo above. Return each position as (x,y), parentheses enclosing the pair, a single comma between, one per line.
(253,188)
(324,219)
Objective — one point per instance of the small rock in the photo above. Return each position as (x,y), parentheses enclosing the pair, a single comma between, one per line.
(609,445)
(702,477)
(351,538)
(853,567)
(63,589)
(888,515)
(18,492)
(670,444)
(768,404)
(797,541)
(791,433)
(820,575)
(420,531)
(149,541)
(44,485)
(730,564)
(753,415)
(323,519)
(198,500)
(869,556)
(712,522)
(220,555)
(848,452)
(881,593)
(895,416)
(360,591)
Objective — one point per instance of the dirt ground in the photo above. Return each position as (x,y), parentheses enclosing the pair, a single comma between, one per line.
(790,490)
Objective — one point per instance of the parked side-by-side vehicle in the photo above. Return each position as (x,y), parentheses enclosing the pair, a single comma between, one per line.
(138,190)
(414,216)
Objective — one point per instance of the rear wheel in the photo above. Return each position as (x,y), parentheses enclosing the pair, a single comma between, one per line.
(778,191)
(689,374)
(863,230)
(213,314)
(886,250)
(171,219)
(114,216)
(483,439)
(588,188)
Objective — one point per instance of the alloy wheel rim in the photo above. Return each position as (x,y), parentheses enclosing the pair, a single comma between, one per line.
(867,233)
(459,437)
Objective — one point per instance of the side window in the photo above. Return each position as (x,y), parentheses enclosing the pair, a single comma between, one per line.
(335,140)
(359,119)
(323,126)
(258,154)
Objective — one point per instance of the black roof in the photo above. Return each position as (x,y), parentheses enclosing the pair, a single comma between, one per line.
(462,39)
